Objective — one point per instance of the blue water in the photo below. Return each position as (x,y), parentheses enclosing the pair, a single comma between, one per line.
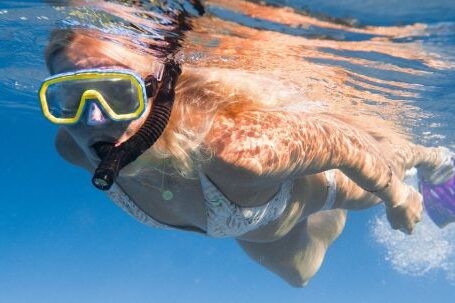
(63,241)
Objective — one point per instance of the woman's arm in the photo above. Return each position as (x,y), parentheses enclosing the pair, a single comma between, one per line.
(281,144)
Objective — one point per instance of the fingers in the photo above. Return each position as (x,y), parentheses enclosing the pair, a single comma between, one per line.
(407,228)
(405,217)
(442,176)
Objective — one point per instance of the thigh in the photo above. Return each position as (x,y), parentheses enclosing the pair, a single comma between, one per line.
(297,256)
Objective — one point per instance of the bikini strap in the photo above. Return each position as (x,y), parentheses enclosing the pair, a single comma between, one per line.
(331,189)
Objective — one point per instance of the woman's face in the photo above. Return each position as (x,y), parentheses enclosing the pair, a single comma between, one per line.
(94,125)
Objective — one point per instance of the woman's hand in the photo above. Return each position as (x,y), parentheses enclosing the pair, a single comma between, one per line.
(405,215)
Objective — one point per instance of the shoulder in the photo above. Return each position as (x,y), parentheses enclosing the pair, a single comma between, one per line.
(252,144)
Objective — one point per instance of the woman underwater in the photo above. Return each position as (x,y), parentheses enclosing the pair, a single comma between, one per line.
(219,148)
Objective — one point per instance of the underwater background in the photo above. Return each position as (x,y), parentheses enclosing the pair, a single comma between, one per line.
(61,240)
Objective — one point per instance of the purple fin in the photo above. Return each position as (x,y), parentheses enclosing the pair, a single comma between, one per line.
(439,201)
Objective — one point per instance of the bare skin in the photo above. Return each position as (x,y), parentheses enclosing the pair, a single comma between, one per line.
(253,153)
(251,176)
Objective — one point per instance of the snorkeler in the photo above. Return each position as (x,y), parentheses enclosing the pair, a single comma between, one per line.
(203,149)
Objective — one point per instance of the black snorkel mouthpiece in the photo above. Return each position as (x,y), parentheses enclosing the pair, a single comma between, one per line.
(114,158)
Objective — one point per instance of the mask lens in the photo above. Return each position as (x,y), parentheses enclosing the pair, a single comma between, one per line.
(63,99)
(122,94)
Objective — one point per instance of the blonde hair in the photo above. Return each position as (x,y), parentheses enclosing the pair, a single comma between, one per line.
(199,100)
(202,94)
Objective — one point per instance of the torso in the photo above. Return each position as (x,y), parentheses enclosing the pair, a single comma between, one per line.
(187,206)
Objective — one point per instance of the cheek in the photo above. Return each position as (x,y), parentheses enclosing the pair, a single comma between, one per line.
(78,137)
(87,135)
(77,132)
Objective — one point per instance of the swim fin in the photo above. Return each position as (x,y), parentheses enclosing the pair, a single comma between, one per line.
(437,188)
(439,201)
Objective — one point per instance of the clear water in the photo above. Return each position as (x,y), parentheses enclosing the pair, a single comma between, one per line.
(63,241)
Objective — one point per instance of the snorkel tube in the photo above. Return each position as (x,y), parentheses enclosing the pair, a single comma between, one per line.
(114,158)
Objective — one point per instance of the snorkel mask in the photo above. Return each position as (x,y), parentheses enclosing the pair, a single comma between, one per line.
(123,96)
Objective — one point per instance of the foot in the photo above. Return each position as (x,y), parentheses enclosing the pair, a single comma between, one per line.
(441,173)
(437,187)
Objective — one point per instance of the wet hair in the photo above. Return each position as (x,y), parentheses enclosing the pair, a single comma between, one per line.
(104,47)
(58,42)
(202,95)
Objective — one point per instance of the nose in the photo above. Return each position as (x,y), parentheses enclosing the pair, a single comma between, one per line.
(95,115)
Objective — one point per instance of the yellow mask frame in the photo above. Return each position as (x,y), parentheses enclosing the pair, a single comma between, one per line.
(92,94)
